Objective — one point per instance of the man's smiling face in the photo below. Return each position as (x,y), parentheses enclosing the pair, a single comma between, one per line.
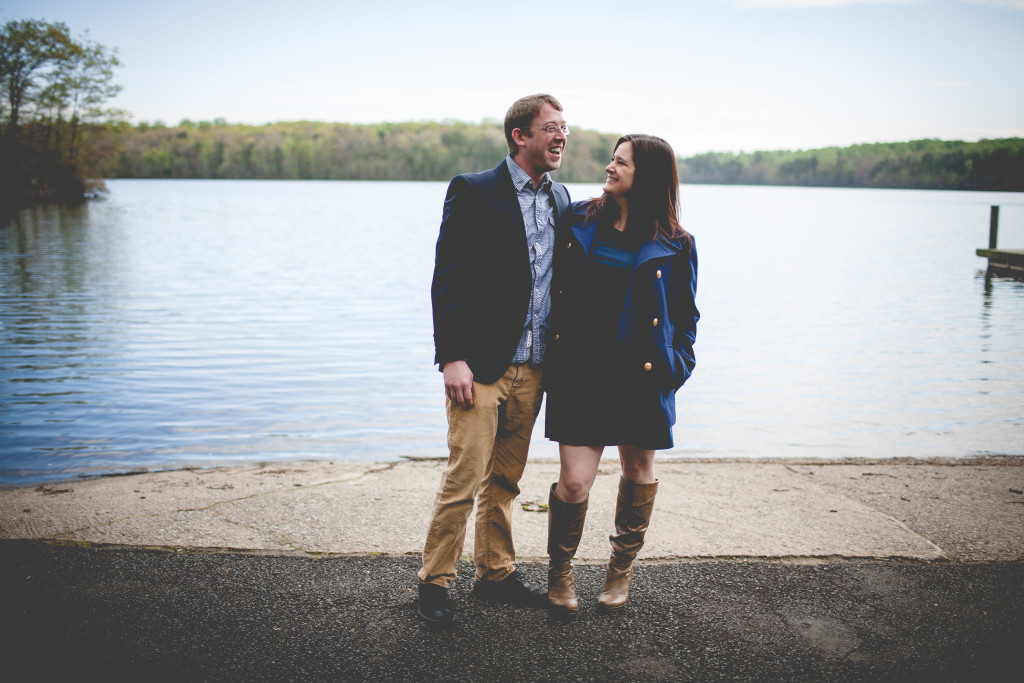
(543,150)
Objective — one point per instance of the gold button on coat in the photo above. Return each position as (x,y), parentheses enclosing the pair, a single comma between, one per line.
(556,337)
(657,274)
(647,367)
(654,322)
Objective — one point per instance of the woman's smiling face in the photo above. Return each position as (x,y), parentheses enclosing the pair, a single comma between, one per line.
(619,179)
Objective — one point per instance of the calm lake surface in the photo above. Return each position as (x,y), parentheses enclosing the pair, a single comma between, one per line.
(196,323)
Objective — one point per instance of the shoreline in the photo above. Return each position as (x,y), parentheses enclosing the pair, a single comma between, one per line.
(993,459)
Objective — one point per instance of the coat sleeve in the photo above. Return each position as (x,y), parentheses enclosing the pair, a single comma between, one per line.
(450,287)
(684,319)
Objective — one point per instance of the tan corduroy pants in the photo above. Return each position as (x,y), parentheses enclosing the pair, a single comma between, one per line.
(487,449)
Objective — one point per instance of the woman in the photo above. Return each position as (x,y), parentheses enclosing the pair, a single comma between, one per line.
(623,323)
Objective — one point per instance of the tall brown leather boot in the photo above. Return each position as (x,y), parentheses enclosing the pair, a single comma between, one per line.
(565,526)
(632,516)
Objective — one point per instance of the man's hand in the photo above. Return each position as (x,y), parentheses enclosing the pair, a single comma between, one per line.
(458,383)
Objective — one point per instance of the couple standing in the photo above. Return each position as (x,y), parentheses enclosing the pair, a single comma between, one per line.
(592,302)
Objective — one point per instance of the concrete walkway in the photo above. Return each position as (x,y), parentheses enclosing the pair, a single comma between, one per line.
(947,510)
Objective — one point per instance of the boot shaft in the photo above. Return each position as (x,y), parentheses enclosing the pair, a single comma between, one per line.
(632,517)
(565,526)
(633,509)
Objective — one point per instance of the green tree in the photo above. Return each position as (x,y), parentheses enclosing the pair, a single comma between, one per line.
(28,49)
(91,84)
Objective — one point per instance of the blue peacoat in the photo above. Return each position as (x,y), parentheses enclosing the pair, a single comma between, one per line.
(653,351)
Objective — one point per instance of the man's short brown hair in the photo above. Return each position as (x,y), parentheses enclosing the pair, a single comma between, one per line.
(521,114)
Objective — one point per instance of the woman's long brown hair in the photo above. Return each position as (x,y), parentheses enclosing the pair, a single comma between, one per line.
(654,197)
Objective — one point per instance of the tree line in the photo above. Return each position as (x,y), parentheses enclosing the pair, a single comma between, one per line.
(993,165)
(308,150)
(438,151)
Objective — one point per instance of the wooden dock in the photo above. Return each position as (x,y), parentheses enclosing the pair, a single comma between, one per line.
(1010,261)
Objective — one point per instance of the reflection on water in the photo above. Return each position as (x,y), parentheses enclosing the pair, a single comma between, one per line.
(202,322)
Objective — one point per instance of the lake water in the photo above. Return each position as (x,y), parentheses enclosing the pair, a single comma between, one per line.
(196,323)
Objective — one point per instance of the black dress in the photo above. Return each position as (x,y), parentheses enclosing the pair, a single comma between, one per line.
(589,398)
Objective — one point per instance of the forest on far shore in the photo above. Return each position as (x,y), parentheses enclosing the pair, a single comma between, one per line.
(992,165)
(440,150)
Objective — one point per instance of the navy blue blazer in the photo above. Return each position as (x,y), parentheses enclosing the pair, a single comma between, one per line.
(482,279)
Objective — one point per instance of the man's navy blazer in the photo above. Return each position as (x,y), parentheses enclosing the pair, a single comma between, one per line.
(482,278)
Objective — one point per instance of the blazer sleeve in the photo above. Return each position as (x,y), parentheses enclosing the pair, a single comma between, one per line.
(450,287)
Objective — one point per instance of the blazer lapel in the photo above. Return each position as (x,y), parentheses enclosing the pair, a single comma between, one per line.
(561,199)
(506,195)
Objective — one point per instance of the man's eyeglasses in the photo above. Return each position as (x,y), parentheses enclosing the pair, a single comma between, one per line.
(552,129)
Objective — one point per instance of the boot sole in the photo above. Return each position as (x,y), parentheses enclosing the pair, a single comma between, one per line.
(430,621)
(610,610)
(562,614)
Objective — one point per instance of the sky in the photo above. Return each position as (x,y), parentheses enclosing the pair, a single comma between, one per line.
(707,75)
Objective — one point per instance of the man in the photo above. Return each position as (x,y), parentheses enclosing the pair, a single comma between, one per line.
(490,294)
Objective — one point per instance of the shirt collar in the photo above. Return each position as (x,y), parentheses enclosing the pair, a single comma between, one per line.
(521,178)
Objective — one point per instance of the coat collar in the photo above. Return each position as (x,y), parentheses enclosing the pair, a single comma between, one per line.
(585,233)
(660,248)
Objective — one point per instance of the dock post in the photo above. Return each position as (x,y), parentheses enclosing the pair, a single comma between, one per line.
(1001,261)
(993,228)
